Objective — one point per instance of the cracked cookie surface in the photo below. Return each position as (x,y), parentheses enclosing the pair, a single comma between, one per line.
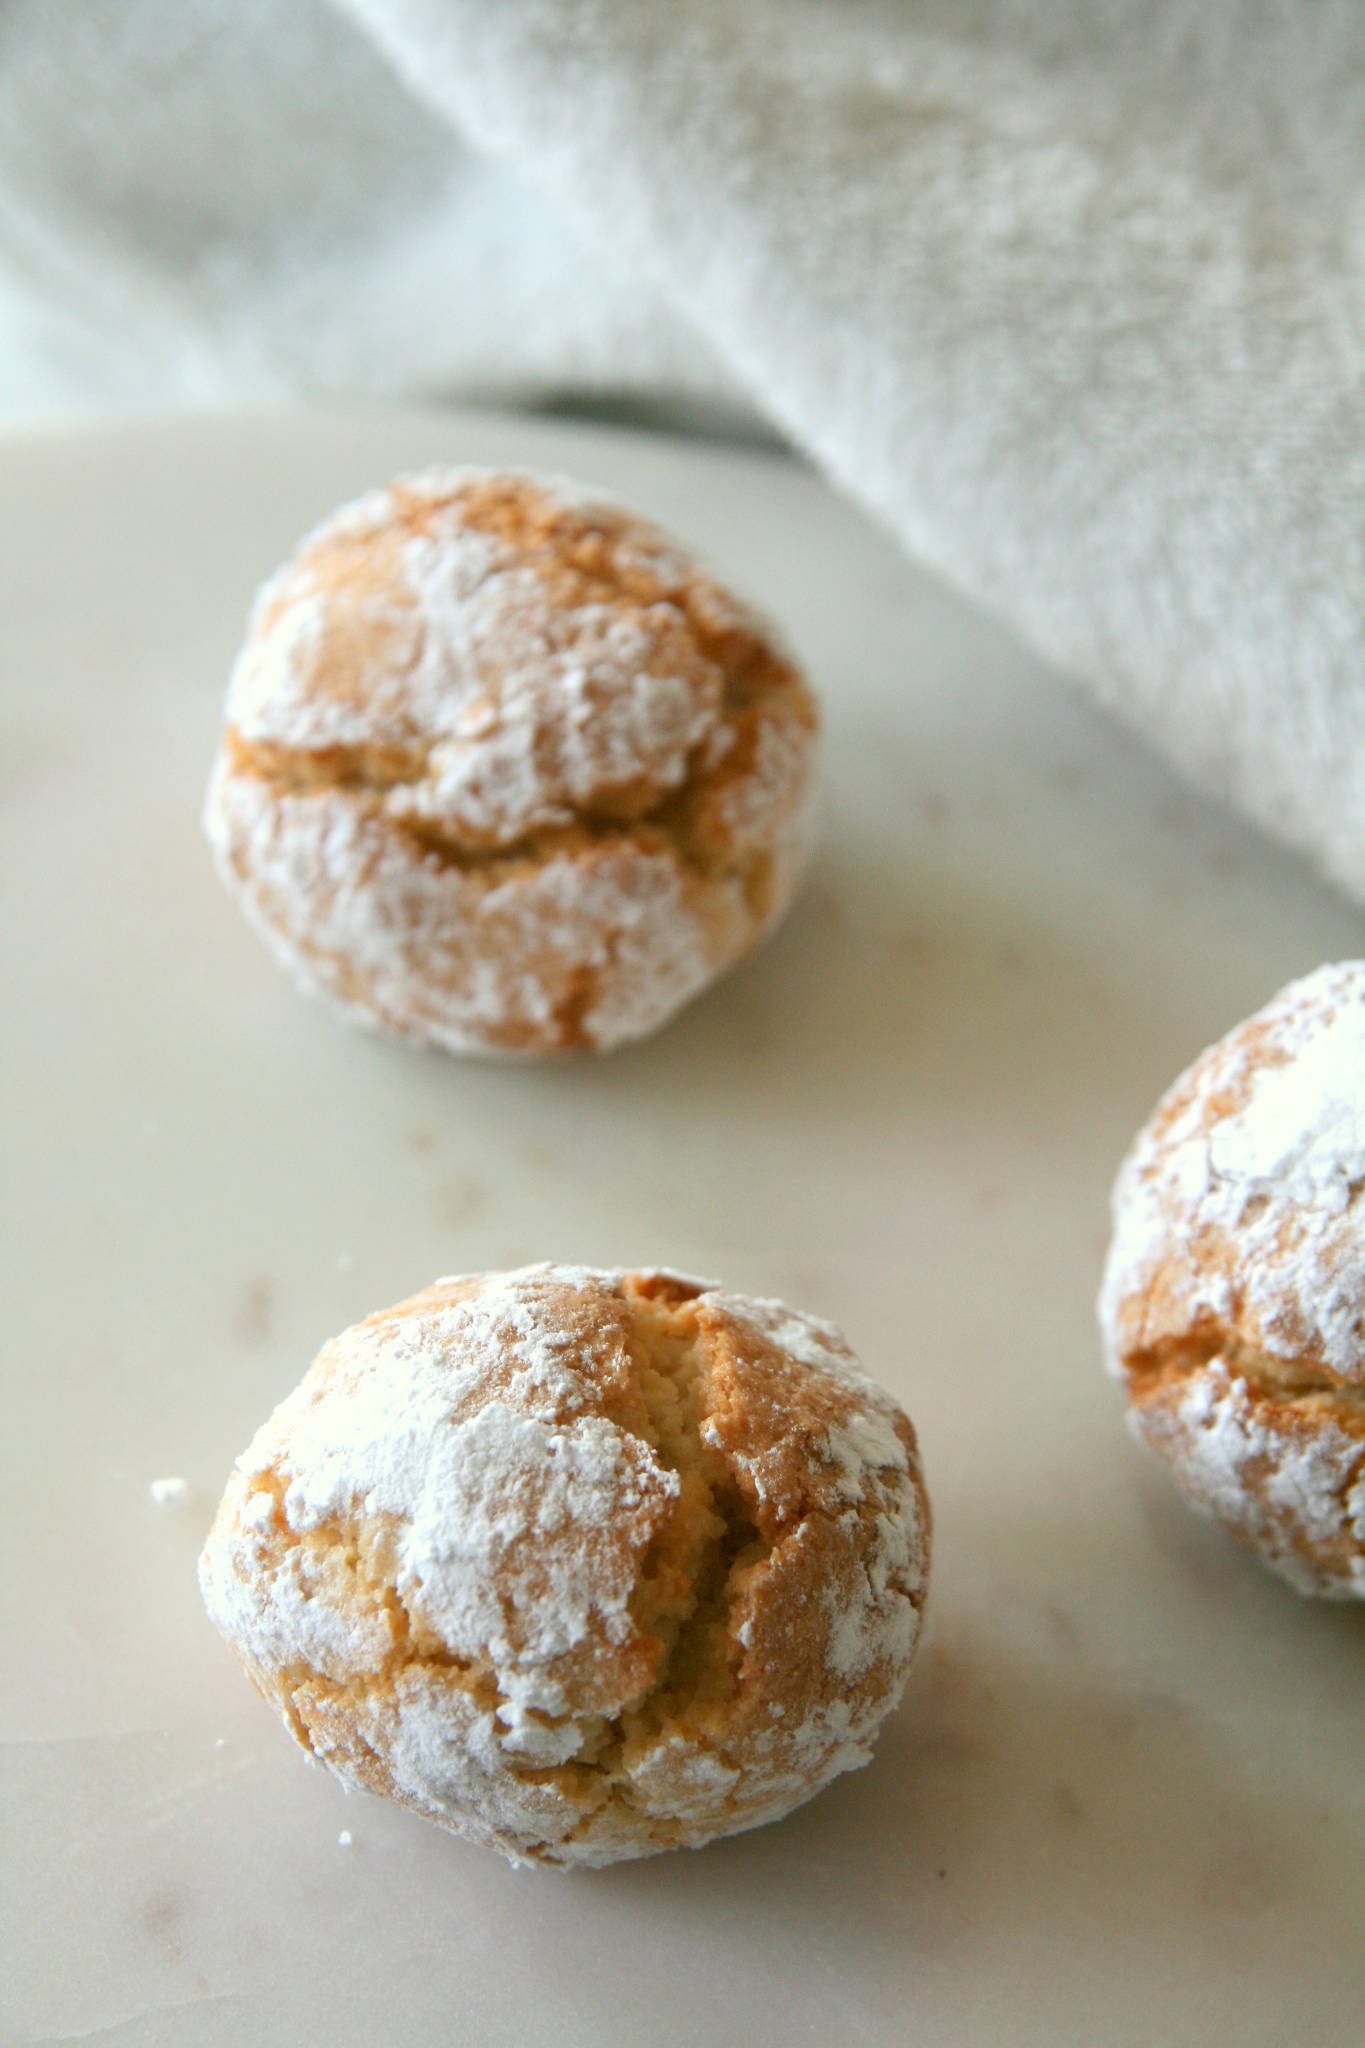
(583,1565)
(1233,1303)
(505,769)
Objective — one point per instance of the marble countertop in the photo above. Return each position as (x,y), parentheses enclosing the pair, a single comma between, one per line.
(1122,1802)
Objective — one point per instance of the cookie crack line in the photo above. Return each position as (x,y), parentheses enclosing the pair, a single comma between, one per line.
(579,1563)
(440,789)
(379,771)
(738,1544)
(1183,1357)
(414,1647)
(578,832)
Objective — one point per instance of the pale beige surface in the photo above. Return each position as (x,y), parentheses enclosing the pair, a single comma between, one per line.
(1123,1800)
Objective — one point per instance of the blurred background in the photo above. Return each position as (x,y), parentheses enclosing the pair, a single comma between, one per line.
(1069,296)
(241,201)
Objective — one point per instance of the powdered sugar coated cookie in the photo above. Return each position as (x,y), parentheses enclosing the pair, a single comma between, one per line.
(1233,1303)
(582,1565)
(505,769)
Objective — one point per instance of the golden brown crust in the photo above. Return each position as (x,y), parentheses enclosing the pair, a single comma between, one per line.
(649,1571)
(505,769)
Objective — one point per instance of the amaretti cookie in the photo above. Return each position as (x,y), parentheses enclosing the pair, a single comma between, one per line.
(1233,1303)
(582,1565)
(506,770)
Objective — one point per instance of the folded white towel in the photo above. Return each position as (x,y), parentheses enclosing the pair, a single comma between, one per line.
(1073,295)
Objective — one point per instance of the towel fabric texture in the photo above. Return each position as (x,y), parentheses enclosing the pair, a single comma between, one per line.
(1072,295)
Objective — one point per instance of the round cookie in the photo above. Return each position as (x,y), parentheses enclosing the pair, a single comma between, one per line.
(1233,1304)
(506,770)
(582,1565)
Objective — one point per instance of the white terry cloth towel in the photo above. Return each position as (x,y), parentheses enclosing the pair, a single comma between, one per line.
(1071,294)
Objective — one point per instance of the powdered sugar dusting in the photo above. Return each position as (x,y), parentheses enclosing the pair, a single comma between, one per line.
(876,1618)
(272,678)
(753,808)
(421,696)
(444,1524)
(285,1606)
(1234,1293)
(464,958)
(534,710)
(510,1511)
(1268,1152)
(1289,1491)
(521,709)
(867,1442)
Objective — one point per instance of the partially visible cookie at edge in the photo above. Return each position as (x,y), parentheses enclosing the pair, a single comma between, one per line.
(582,1565)
(506,770)
(1233,1303)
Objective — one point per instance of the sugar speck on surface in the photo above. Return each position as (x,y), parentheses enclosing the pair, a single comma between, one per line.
(170,1493)
(344,1839)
